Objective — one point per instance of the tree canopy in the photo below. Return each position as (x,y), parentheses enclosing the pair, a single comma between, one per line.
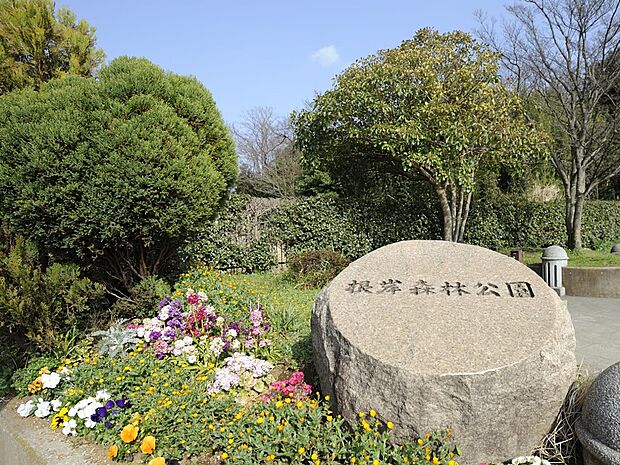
(38,44)
(118,171)
(564,53)
(433,107)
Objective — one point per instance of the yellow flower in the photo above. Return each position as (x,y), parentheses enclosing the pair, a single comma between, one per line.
(314,456)
(390,425)
(451,462)
(329,418)
(327,399)
(270,458)
(113,451)
(158,461)
(420,441)
(224,455)
(375,462)
(301,451)
(427,458)
(129,433)
(362,414)
(372,413)
(148,445)
(436,461)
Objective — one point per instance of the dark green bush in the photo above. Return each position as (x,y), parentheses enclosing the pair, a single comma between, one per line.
(355,226)
(114,174)
(320,222)
(143,298)
(38,306)
(316,268)
(231,241)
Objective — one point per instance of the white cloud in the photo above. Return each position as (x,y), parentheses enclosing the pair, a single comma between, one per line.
(326,56)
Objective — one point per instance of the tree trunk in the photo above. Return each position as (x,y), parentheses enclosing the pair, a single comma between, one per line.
(455,211)
(575,198)
(446,213)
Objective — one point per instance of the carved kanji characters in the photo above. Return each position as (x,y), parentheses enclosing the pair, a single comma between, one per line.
(422,287)
(488,289)
(358,287)
(458,288)
(391,286)
(520,289)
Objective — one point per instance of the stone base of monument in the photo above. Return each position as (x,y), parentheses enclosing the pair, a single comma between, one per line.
(433,334)
(598,427)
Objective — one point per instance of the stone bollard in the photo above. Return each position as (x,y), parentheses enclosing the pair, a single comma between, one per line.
(615,248)
(554,258)
(598,427)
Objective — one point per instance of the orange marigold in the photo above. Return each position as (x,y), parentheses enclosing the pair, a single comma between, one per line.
(129,433)
(148,445)
(113,451)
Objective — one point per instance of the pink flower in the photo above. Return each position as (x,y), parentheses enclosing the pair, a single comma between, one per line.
(297,377)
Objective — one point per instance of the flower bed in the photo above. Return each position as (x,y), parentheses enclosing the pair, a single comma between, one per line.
(198,380)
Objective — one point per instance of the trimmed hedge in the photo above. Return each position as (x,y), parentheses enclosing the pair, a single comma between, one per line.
(354,227)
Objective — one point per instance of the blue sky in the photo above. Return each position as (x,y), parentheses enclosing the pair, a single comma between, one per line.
(266,53)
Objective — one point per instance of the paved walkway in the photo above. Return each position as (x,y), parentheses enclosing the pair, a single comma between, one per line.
(597,328)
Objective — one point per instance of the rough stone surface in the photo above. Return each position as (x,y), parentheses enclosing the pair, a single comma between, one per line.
(615,248)
(598,428)
(493,359)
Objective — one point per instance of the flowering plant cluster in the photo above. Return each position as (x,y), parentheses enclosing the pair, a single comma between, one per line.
(175,329)
(153,403)
(294,387)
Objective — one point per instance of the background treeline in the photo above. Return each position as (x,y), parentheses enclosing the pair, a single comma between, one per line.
(253,234)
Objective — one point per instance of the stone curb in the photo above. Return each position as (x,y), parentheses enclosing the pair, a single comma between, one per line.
(29,441)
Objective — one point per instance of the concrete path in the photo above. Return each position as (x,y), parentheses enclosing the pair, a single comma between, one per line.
(597,329)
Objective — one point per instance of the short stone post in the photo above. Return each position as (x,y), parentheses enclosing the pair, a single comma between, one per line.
(554,258)
(597,427)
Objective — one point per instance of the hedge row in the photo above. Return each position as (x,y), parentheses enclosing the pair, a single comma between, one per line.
(356,226)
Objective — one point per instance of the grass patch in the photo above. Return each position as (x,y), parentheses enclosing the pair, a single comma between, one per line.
(289,309)
(582,258)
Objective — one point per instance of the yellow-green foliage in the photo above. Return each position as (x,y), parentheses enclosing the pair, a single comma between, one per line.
(38,44)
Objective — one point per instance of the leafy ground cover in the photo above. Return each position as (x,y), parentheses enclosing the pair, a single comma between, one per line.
(211,376)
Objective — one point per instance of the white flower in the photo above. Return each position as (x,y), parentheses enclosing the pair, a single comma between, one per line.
(26,409)
(232,333)
(43,409)
(50,381)
(216,346)
(235,344)
(164,313)
(89,423)
(140,331)
(102,395)
(72,412)
(179,344)
(220,321)
(69,428)
(65,371)
(188,340)
(176,352)
(56,404)
(191,359)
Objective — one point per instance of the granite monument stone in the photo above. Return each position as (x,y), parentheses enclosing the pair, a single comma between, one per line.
(433,334)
